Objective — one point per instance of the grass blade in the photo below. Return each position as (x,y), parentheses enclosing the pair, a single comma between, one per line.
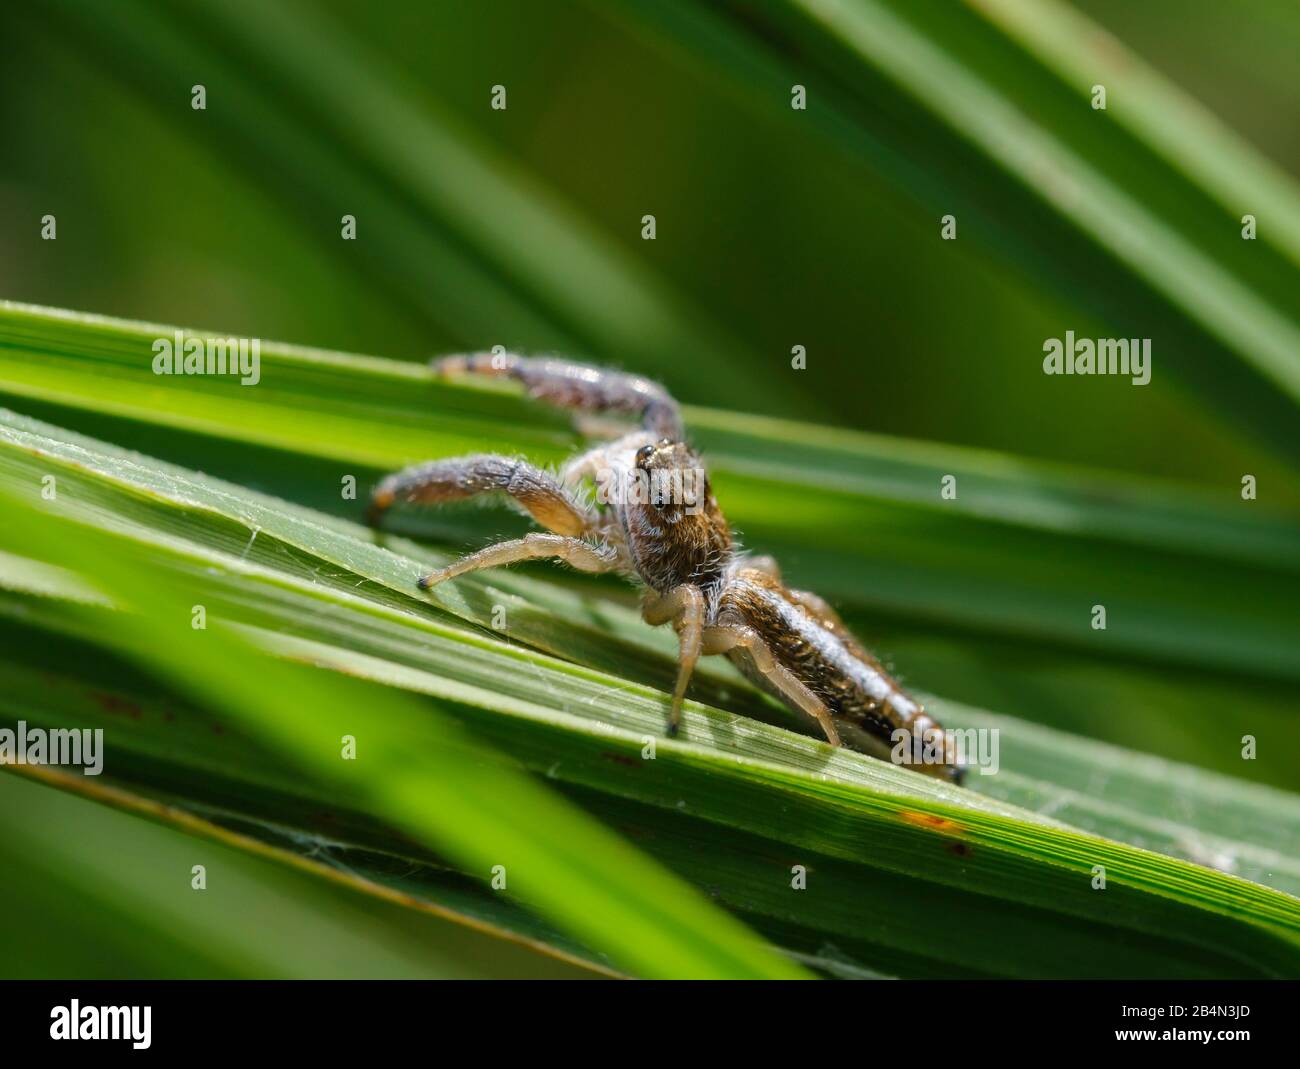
(756,798)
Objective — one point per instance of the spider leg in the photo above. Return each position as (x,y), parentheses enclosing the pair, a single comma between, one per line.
(581,555)
(590,464)
(684,605)
(458,478)
(580,387)
(725,638)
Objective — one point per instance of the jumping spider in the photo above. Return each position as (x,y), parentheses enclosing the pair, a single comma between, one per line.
(789,642)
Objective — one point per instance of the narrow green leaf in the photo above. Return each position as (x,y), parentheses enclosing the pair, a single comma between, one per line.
(1024,550)
(419,770)
(294,586)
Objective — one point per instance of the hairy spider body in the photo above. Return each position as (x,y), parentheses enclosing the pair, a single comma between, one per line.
(808,637)
(657,522)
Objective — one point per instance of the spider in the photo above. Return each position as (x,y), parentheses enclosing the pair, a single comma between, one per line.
(674,541)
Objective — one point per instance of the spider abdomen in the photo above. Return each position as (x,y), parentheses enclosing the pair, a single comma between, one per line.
(811,641)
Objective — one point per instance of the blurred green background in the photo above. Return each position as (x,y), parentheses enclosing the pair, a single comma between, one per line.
(770,234)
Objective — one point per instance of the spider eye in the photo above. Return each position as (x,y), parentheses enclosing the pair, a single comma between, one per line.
(644,454)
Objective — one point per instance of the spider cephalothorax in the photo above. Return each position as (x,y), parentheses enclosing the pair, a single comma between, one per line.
(674,529)
(654,518)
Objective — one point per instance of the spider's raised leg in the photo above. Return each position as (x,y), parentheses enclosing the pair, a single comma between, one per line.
(458,478)
(726,638)
(581,555)
(580,387)
(684,606)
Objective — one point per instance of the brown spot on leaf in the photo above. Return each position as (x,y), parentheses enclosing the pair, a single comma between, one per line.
(942,825)
(931,821)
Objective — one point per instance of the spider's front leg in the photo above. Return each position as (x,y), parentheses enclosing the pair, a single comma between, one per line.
(684,606)
(544,499)
(458,478)
(581,555)
(732,637)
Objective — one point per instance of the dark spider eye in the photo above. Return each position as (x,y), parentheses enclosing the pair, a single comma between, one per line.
(644,454)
